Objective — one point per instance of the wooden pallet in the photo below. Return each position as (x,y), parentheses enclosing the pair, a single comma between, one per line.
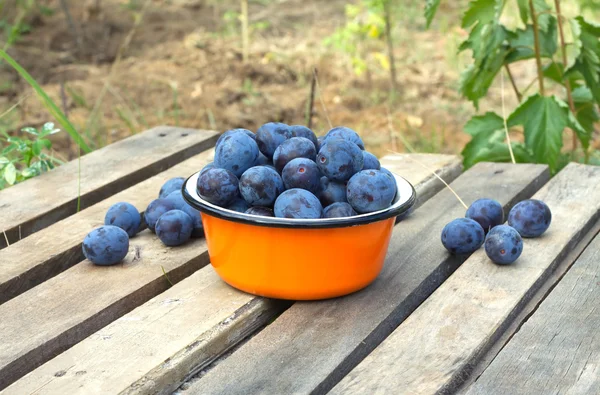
(425,324)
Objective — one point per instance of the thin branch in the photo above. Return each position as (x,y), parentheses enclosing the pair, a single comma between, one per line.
(564,58)
(311,101)
(72,26)
(390,46)
(536,40)
(512,82)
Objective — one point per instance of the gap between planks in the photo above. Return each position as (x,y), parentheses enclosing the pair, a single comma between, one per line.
(530,308)
(312,345)
(558,349)
(58,247)
(434,350)
(41,201)
(171,362)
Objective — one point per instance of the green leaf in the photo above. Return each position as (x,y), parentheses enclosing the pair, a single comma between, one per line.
(45,143)
(588,61)
(431,7)
(522,43)
(488,142)
(523,10)
(36,148)
(48,129)
(29,172)
(586,114)
(3,160)
(540,6)
(582,94)
(30,131)
(482,12)
(544,118)
(486,123)
(10,173)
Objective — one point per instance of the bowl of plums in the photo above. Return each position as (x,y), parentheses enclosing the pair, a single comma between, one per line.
(291,216)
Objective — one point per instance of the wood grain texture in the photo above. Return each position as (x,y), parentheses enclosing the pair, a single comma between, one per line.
(60,312)
(191,323)
(434,350)
(312,345)
(41,201)
(216,318)
(557,351)
(56,248)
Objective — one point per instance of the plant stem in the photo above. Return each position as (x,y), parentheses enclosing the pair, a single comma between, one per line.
(390,46)
(512,82)
(244,18)
(564,58)
(536,41)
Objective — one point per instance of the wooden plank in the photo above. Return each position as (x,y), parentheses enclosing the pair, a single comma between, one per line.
(311,346)
(435,348)
(557,351)
(182,330)
(62,311)
(56,248)
(50,197)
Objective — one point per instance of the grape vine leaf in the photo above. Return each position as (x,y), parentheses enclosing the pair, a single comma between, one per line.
(523,10)
(488,142)
(588,61)
(544,118)
(586,112)
(482,12)
(431,7)
(522,43)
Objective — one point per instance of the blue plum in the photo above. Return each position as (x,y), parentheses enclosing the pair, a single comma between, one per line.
(370,161)
(177,198)
(197,227)
(233,131)
(332,192)
(319,143)
(345,134)
(125,216)
(263,160)
(298,203)
(270,136)
(174,184)
(388,173)
(303,131)
(236,153)
(302,173)
(174,228)
(239,204)
(263,211)
(339,159)
(218,186)
(296,147)
(370,190)
(503,244)
(260,186)
(462,236)
(488,212)
(338,209)
(106,245)
(209,166)
(531,217)
(155,209)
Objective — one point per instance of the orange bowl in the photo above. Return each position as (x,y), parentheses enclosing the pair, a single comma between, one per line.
(298,259)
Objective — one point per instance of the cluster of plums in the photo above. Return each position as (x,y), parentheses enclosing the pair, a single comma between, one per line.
(483,223)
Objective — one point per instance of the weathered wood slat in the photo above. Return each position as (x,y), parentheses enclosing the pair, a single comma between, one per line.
(39,202)
(62,311)
(311,346)
(435,348)
(216,317)
(58,247)
(557,351)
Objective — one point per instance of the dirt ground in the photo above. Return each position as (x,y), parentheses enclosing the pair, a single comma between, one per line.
(182,65)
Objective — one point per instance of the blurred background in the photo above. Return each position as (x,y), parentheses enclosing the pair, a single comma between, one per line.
(117,67)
